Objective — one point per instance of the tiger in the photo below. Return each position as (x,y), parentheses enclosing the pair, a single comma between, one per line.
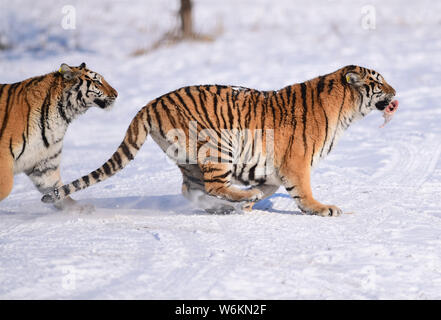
(34,116)
(302,121)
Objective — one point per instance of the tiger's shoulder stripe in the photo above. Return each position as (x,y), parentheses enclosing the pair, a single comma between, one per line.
(304,114)
(338,120)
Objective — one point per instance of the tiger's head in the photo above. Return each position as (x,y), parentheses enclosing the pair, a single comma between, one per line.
(373,91)
(88,87)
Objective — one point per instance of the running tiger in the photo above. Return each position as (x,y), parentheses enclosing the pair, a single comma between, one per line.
(34,116)
(303,120)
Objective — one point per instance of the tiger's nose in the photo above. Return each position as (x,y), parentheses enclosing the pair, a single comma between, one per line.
(114,93)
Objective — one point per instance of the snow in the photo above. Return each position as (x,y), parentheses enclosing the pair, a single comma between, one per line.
(145,241)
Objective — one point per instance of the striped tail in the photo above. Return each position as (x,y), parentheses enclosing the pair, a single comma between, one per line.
(135,137)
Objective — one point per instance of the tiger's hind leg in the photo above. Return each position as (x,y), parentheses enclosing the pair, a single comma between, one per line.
(6,177)
(267,189)
(217,182)
(194,190)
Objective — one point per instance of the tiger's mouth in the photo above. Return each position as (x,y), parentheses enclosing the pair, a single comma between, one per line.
(391,107)
(104,103)
(387,106)
(388,112)
(381,105)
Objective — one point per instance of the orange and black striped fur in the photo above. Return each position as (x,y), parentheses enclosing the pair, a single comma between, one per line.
(301,124)
(34,116)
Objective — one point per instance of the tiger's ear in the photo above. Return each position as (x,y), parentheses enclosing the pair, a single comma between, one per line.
(83,65)
(353,79)
(66,71)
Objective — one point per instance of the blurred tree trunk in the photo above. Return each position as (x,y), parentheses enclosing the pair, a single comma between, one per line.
(182,33)
(3,41)
(185,13)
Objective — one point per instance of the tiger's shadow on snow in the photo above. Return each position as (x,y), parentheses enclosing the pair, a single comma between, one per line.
(177,204)
(268,205)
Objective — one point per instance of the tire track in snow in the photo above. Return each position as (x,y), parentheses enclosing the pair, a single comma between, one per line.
(398,186)
(412,162)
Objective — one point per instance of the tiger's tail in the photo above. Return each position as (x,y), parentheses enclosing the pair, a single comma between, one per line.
(136,135)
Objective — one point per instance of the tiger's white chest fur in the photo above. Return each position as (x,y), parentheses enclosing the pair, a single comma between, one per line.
(36,151)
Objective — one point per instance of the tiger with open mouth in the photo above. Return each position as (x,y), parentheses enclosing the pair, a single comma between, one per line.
(302,122)
(34,116)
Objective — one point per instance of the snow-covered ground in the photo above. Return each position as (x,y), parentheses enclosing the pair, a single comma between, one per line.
(144,240)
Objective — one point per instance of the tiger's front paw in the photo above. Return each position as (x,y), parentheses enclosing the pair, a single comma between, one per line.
(256,196)
(325,211)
